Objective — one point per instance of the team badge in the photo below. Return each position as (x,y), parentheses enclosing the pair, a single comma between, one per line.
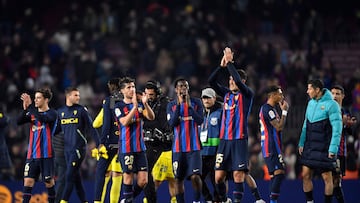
(322,107)
(75,112)
(62,114)
(213,121)
(117,112)
(271,114)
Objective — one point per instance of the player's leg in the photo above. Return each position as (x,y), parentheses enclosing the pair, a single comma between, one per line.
(307,183)
(116,180)
(337,176)
(31,170)
(102,178)
(47,171)
(329,186)
(194,171)
(253,187)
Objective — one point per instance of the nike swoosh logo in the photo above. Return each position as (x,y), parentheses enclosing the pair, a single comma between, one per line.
(196,170)
(241,165)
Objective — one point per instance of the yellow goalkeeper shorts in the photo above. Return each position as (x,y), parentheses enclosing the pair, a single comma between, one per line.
(163,169)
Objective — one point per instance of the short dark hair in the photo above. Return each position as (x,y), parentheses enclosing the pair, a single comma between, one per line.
(70,89)
(272,89)
(178,80)
(338,87)
(153,85)
(125,80)
(316,83)
(46,92)
(243,74)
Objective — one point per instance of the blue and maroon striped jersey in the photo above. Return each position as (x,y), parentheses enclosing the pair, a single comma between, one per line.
(131,137)
(237,106)
(42,128)
(270,137)
(185,120)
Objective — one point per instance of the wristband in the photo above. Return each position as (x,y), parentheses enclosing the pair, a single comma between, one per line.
(284,113)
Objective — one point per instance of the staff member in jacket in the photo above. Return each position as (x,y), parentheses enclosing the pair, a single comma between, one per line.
(320,138)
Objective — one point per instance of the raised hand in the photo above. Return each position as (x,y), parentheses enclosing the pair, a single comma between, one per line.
(134,98)
(26,100)
(144,98)
(228,55)
(284,105)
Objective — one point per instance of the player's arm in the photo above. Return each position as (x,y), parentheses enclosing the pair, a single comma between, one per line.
(196,112)
(173,114)
(213,81)
(88,122)
(242,86)
(98,121)
(280,124)
(128,119)
(45,117)
(336,124)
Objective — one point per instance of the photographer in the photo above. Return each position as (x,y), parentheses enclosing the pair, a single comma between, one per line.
(157,134)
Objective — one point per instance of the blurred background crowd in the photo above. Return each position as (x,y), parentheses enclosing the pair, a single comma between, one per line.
(84,43)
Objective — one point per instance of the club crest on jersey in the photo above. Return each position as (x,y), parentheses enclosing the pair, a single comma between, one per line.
(62,114)
(36,128)
(117,112)
(75,112)
(322,107)
(213,121)
(228,107)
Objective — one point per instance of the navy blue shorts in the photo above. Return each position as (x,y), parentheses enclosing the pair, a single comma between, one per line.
(274,162)
(232,155)
(133,162)
(186,164)
(35,167)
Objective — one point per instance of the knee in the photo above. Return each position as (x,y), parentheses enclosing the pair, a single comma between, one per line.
(219,178)
(306,176)
(195,178)
(142,182)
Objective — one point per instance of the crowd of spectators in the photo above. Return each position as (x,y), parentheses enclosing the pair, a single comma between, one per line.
(85,43)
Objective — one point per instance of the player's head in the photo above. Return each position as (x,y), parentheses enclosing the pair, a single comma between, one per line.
(42,97)
(72,95)
(338,93)
(274,93)
(127,87)
(315,88)
(181,86)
